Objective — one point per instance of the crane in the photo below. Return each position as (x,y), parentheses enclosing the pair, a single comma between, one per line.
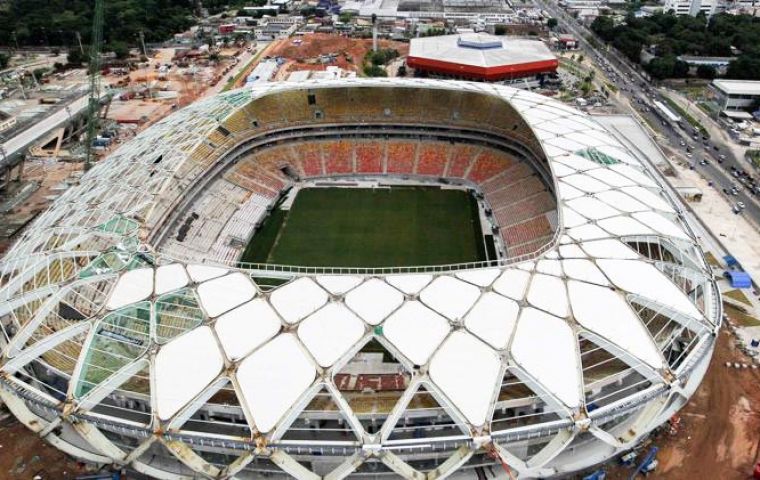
(93,106)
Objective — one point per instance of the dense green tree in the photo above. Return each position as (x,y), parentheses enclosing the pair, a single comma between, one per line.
(56,22)
(75,57)
(745,67)
(3,60)
(500,29)
(706,71)
(671,36)
(552,23)
(120,49)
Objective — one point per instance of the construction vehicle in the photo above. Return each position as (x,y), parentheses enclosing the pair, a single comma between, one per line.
(647,465)
(596,475)
(102,476)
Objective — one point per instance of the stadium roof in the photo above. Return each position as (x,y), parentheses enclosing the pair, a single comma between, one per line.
(480,53)
(464,328)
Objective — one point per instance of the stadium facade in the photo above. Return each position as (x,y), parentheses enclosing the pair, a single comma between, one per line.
(125,342)
(480,56)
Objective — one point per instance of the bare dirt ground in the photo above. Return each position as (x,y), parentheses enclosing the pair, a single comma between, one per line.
(24,455)
(719,432)
(349,52)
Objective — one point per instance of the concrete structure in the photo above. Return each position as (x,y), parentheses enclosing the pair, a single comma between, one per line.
(116,351)
(720,64)
(480,56)
(736,94)
(693,7)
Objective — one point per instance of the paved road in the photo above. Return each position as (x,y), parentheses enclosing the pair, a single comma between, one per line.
(636,88)
(20,142)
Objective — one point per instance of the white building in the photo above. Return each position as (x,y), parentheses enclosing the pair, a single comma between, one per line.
(693,7)
(735,95)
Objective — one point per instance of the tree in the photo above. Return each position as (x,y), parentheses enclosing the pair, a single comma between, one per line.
(706,71)
(375,71)
(745,67)
(552,23)
(75,57)
(604,27)
(401,71)
(500,29)
(4,60)
(120,49)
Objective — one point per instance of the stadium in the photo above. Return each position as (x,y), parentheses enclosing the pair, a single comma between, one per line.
(358,278)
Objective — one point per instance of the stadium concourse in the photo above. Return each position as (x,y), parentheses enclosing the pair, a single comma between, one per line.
(131,335)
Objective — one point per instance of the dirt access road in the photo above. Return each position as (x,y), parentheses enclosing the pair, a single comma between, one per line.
(719,434)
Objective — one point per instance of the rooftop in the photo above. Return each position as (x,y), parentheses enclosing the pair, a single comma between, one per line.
(479,49)
(738,87)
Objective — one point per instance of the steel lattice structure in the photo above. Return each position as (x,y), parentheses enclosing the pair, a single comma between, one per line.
(116,352)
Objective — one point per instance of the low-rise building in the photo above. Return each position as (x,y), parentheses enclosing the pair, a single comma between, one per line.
(480,56)
(733,95)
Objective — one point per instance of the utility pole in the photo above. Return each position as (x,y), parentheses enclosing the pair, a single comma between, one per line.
(79,39)
(93,107)
(142,42)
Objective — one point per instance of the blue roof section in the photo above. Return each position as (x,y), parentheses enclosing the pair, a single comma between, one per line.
(730,260)
(740,279)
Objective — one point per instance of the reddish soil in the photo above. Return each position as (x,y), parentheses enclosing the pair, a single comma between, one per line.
(349,52)
(23,455)
(719,433)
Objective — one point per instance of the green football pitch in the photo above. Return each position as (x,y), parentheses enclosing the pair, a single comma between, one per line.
(350,227)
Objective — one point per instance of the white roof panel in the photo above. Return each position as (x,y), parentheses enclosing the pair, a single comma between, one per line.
(245,328)
(634,174)
(607,314)
(449,296)
(609,248)
(330,332)
(621,201)
(469,389)
(512,283)
(493,318)
(661,224)
(170,278)
(410,283)
(416,331)
(338,284)
(548,293)
(623,226)
(133,286)
(646,196)
(481,277)
(273,378)
(539,333)
(201,273)
(591,208)
(374,300)
(581,269)
(611,178)
(644,279)
(298,299)
(225,293)
(585,183)
(183,368)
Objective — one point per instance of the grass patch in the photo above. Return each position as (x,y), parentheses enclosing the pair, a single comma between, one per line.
(683,113)
(259,247)
(350,227)
(738,295)
(740,317)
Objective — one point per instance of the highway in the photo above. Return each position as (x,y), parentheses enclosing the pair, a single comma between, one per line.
(18,144)
(639,92)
